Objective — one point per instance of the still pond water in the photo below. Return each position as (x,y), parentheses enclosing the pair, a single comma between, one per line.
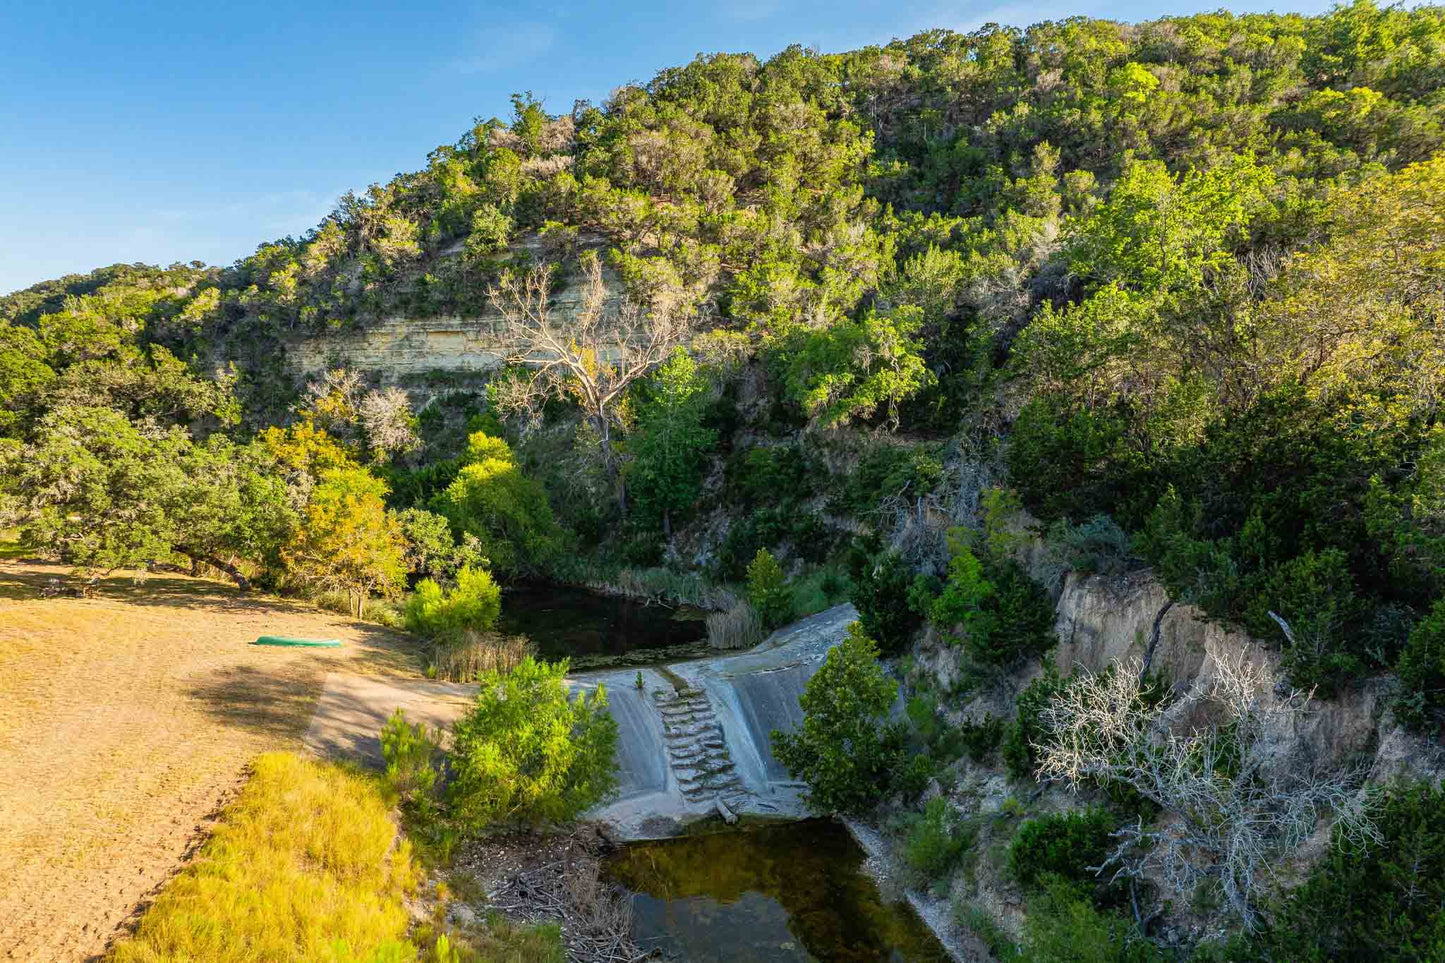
(780,894)
(595,630)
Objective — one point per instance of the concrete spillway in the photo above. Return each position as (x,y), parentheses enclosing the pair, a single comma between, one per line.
(698,733)
(695,734)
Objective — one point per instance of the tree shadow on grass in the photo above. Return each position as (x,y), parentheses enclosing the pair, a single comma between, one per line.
(269,702)
(26,580)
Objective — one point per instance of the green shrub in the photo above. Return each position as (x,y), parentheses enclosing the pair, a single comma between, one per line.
(880,593)
(981,738)
(765,528)
(1315,594)
(765,474)
(527,753)
(1061,458)
(905,471)
(1018,745)
(1062,845)
(941,741)
(936,840)
(912,774)
(818,590)
(981,923)
(408,751)
(768,590)
(1063,926)
(473,604)
(1422,669)
(492,499)
(1006,615)
(415,487)
(846,748)
(1096,546)
(1363,901)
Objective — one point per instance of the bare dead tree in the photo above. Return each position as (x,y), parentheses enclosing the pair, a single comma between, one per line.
(591,357)
(338,401)
(1234,807)
(388,423)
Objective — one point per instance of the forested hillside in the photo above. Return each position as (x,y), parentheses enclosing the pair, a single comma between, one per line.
(1184,275)
(1175,289)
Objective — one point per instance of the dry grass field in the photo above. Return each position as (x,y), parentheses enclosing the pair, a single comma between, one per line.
(125,721)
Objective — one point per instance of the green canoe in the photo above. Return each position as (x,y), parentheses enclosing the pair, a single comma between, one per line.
(283,640)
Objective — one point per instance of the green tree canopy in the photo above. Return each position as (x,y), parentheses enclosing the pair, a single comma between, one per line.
(846,749)
(527,752)
(347,541)
(493,500)
(670,445)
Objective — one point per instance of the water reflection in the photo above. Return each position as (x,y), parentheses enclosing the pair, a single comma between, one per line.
(783,893)
(595,629)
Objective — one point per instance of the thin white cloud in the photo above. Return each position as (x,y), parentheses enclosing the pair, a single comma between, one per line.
(269,215)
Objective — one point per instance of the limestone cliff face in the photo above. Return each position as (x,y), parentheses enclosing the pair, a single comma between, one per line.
(397,348)
(1106,620)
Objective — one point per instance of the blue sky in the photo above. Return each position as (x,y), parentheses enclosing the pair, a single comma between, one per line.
(162,132)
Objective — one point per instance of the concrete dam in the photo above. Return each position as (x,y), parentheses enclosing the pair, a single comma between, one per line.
(697,733)
(694,735)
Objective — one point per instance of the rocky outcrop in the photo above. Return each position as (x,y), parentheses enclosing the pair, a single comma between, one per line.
(697,748)
(1102,621)
(399,349)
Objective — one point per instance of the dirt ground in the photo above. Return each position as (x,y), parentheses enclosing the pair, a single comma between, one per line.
(125,722)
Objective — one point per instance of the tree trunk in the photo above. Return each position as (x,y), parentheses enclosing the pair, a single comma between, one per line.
(609,461)
(243,583)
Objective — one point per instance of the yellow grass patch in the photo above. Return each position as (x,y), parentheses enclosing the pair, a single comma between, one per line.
(302,867)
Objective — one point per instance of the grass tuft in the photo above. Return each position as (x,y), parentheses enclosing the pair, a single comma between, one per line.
(305,866)
(740,627)
(477,652)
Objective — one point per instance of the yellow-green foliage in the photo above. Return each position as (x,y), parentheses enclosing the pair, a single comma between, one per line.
(302,868)
(474,604)
(503,942)
(505,509)
(768,590)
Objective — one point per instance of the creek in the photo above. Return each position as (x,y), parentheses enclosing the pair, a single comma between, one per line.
(781,893)
(601,631)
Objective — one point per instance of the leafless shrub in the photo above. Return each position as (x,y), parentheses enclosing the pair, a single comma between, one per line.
(463,659)
(388,423)
(738,628)
(333,397)
(339,403)
(599,907)
(1235,806)
(546,166)
(596,916)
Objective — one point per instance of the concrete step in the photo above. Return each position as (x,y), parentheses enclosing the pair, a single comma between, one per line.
(680,763)
(695,730)
(686,756)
